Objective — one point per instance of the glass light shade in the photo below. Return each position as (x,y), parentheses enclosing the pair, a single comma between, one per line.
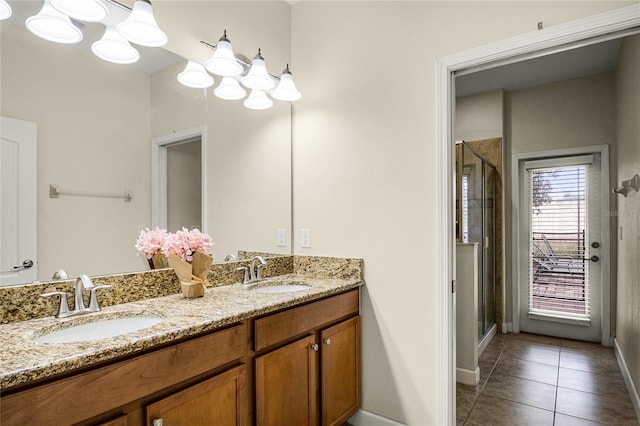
(195,76)
(112,47)
(258,100)
(286,89)
(82,10)
(223,62)
(5,10)
(52,25)
(229,89)
(258,78)
(141,27)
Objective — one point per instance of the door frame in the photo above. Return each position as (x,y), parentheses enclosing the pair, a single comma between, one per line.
(612,24)
(159,147)
(605,248)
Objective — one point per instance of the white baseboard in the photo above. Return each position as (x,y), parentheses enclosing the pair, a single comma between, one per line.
(366,418)
(468,377)
(507,327)
(631,387)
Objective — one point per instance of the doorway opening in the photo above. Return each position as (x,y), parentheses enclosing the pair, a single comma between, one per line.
(178,180)
(613,24)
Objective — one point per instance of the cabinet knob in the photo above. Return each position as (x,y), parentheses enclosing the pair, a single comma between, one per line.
(327,341)
(157,422)
(315,347)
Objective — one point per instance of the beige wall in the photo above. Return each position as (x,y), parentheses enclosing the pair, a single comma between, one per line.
(628,164)
(479,116)
(565,114)
(184,186)
(86,142)
(364,164)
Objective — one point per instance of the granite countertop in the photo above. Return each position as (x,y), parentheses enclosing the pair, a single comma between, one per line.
(24,360)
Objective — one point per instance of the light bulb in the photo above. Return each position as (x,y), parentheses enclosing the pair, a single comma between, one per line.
(141,27)
(223,62)
(112,47)
(286,89)
(82,10)
(5,10)
(195,76)
(50,24)
(258,100)
(229,89)
(258,78)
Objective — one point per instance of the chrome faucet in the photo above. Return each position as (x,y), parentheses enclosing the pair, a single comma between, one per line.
(82,283)
(255,270)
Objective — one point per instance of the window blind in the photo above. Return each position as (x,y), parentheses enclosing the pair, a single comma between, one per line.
(558,272)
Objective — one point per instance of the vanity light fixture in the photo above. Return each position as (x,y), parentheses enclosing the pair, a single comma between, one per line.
(229,89)
(258,78)
(141,26)
(5,10)
(286,89)
(258,100)
(112,47)
(223,62)
(629,186)
(194,75)
(53,25)
(85,10)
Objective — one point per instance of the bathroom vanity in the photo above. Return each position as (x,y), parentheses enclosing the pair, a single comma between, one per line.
(233,357)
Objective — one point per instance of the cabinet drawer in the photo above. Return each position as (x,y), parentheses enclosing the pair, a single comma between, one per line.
(278,327)
(89,394)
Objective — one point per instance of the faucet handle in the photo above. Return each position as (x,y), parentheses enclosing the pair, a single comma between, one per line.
(63,308)
(94,306)
(245,277)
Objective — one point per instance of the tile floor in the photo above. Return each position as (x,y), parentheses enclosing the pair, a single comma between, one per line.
(527,379)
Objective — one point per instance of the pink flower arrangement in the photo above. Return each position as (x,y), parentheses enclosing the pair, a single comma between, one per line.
(150,242)
(183,243)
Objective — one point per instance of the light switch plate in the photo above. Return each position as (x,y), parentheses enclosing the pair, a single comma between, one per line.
(305,238)
(282,237)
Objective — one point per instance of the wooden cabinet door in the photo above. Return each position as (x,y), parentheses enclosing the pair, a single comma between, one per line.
(218,401)
(340,364)
(286,385)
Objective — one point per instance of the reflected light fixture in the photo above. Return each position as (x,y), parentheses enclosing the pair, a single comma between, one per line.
(258,78)
(141,26)
(258,100)
(50,24)
(82,10)
(223,62)
(5,10)
(194,75)
(229,89)
(112,47)
(286,89)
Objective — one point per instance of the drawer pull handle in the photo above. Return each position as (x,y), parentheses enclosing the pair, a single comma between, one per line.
(157,422)
(315,347)
(327,341)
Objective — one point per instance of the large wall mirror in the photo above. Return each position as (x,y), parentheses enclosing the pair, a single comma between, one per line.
(96,124)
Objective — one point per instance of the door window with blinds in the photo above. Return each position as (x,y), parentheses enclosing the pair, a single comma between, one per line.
(559,199)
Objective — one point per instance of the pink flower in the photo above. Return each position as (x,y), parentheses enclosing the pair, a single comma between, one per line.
(150,242)
(185,243)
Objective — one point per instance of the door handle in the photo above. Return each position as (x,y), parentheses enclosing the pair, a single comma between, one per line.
(593,258)
(25,265)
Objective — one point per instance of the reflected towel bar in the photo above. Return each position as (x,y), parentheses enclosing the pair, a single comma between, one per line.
(56,192)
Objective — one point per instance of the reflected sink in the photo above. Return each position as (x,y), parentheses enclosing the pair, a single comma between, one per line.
(281,288)
(98,330)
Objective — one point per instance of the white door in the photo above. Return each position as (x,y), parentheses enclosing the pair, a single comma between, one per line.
(560,247)
(18,201)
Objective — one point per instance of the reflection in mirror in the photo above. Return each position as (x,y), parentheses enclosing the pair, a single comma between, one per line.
(95,124)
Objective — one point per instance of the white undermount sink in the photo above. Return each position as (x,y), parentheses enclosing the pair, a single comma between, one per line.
(281,288)
(98,330)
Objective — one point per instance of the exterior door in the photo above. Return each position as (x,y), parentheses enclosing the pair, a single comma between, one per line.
(560,247)
(18,201)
